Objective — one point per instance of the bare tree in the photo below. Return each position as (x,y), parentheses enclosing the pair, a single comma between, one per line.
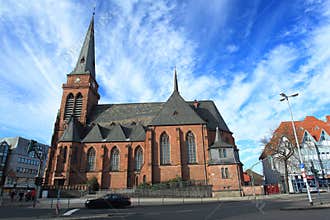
(280,147)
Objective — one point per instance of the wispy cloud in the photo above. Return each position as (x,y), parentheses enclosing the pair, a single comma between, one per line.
(241,62)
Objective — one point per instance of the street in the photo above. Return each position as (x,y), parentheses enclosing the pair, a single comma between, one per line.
(250,209)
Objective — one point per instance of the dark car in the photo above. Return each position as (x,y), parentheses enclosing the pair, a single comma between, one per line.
(109,201)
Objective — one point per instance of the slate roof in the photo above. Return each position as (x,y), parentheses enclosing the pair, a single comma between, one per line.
(115,133)
(218,142)
(86,60)
(73,131)
(176,111)
(144,113)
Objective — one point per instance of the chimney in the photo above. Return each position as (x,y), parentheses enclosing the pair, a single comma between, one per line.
(196,103)
(328,119)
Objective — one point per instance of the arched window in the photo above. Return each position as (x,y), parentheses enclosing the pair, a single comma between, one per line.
(68,111)
(64,154)
(164,149)
(78,105)
(191,147)
(138,158)
(114,159)
(91,159)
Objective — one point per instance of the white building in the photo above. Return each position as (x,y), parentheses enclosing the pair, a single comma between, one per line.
(314,140)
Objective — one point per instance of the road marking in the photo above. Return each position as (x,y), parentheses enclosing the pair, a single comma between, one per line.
(184,211)
(153,213)
(68,213)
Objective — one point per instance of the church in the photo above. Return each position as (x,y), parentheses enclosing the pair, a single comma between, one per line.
(129,144)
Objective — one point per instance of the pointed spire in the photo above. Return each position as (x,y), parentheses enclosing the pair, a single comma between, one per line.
(86,60)
(175,81)
(217,135)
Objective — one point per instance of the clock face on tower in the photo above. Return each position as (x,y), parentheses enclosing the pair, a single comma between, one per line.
(77,80)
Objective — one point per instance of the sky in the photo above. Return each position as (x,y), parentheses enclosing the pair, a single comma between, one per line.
(240,54)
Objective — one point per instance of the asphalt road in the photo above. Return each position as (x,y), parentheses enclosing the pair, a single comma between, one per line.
(254,209)
(265,209)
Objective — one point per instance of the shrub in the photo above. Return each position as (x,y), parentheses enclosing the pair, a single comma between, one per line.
(93,185)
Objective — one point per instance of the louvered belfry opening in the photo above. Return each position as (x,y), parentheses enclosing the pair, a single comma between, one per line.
(78,105)
(68,107)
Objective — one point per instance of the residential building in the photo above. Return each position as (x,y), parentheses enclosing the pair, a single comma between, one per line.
(21,167)
(314,140)
(125,145)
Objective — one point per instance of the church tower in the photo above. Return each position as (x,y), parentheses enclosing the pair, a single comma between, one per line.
(80,92)
(80,95)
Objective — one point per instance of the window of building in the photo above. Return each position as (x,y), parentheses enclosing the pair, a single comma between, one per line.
(222,153)
(322,137)
(114,159)
(64,154)
(191,147)
(224,173)
(68,111)
(91,159)
(306,137)
(78,105)
(138,158)
(164,149)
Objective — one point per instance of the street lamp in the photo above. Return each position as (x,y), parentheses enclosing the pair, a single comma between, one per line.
(302,166)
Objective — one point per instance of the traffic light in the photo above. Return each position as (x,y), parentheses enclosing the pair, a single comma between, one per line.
(38,181)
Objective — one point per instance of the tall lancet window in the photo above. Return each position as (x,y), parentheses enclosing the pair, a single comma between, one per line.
(164,149)
(68,111)
(191,147)
(78,105)
(114,159)
(91,159)
(138,158)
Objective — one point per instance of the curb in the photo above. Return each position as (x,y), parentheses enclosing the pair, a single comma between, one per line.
(304,208)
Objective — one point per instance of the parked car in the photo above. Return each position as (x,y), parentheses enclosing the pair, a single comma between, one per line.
(109,201)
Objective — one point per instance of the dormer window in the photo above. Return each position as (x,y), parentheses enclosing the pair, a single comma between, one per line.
(306,137)
(322,137)
(82,60)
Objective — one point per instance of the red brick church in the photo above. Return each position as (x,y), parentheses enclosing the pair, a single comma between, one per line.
(125,145)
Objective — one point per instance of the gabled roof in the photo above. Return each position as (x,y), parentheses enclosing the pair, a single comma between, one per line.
(94,135)
(116,134)
(73,131)
(138,133)
(86,60)
(176,111)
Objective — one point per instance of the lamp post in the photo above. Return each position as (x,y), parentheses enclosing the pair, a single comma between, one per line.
(302,165)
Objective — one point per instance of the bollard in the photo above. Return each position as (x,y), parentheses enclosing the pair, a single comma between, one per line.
(51,203)
(163,200)
(68,203)
(183,200)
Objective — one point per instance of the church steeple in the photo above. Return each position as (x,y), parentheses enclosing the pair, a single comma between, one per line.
(86,60)
(175,82)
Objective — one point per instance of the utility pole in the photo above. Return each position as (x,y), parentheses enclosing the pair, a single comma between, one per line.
(302,165)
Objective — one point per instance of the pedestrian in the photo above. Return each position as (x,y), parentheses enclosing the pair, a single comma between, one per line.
(33,194)
(21,194)
(12,195)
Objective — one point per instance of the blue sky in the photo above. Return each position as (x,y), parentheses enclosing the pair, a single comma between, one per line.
(241,54)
